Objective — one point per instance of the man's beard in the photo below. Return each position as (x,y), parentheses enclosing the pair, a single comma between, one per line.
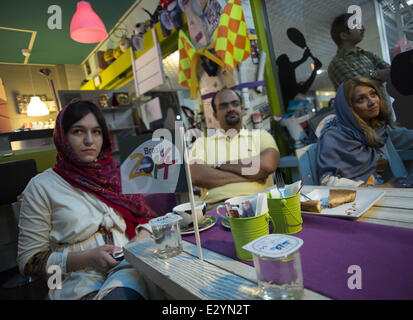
(232,121)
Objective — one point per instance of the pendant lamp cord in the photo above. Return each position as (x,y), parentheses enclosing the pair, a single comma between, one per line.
(31,80)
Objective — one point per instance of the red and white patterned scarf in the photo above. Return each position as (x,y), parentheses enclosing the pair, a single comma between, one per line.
(101,178)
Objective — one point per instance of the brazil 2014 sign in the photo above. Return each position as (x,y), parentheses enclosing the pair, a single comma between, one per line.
(151,166)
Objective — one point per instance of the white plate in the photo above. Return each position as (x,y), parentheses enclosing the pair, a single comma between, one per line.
(364,200)
(211,222)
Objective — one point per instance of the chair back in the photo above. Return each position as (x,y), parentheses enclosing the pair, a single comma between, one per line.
(161,203)
(306,158)
(317,119)
(15,175)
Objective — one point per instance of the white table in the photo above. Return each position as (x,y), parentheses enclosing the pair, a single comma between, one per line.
(394,209)
(218,277)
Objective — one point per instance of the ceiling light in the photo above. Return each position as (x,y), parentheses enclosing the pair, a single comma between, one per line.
(86,26)
(37,108)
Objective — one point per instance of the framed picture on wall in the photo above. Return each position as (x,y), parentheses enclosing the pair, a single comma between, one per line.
(5,123)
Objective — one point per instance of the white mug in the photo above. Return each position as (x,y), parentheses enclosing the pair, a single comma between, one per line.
(184,210)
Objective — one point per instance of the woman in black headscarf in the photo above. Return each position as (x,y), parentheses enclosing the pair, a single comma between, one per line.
(359,146)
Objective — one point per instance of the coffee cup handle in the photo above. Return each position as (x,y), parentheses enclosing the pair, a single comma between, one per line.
(220,214)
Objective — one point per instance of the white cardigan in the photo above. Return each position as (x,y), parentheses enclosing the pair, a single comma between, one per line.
(57,216)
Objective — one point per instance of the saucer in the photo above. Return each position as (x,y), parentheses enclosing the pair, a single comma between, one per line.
(206,223)
(225,224)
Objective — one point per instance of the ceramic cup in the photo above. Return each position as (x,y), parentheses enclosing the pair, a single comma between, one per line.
(184,210)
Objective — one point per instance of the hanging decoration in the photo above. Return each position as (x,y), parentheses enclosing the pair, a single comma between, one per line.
(230,43)
(170,16)
(188,61)
(231,36)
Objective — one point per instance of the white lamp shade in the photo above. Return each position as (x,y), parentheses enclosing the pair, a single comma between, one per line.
(37,108)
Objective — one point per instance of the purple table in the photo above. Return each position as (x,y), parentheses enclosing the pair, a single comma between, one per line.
(332,246)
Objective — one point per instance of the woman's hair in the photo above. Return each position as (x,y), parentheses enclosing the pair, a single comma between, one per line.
(77,110)
(384,117)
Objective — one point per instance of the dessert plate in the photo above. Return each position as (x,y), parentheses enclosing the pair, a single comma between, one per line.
(206,223)
(365,199)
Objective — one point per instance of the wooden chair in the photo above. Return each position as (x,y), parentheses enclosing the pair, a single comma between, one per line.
(306,158)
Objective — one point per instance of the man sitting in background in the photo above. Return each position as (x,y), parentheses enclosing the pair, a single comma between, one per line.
(233,161)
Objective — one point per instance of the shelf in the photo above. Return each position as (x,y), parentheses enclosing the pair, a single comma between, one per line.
(118,108)
(123,129)
(120,71)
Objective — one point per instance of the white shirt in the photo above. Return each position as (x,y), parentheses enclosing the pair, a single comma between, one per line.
(59,217)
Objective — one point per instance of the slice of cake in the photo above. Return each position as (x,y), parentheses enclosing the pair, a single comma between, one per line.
(338,197)
(311,205)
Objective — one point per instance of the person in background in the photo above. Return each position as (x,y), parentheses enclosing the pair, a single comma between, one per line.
(233,161)
(352,61)
(358,148)
(331,103)
(74,216)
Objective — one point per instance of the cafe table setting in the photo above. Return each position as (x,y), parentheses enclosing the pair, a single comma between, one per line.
(265,246)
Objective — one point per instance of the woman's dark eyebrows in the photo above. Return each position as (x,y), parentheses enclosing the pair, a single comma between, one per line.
(83,127)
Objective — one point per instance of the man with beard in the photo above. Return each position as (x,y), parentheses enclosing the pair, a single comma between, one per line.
(233,161)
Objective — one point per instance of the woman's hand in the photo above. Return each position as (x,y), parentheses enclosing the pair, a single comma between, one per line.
(142,234)
(99,258)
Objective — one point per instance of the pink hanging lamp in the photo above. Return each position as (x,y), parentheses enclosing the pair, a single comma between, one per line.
(86,26)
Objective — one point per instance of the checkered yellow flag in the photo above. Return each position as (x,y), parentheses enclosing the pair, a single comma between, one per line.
(186,54)
(188,61)
(231,37)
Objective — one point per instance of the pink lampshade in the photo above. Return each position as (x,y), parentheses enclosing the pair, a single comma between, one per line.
(86,26)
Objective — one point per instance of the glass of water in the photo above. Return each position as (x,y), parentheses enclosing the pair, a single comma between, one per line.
(279,279)
(167,235)
(277,263)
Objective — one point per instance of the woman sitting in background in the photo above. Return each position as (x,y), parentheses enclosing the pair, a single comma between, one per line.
(359,145)
(74,216)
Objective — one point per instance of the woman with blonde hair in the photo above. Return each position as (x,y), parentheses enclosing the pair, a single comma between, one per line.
(359,146)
